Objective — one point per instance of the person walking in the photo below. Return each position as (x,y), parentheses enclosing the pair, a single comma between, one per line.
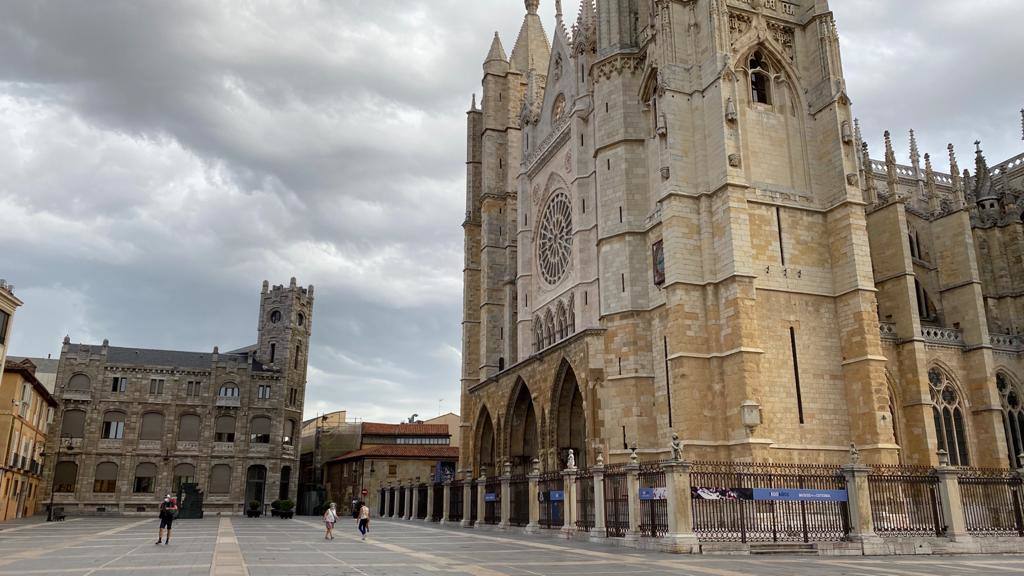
(364,519)
(168,511)
(330,517)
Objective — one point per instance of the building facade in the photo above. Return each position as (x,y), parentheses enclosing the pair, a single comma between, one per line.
(671,227)
(9,304)
(23,432)
(137,423)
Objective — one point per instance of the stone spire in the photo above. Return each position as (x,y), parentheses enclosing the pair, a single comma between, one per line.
(890,165)
(497,51)
(532,48)
(584,29)
(982,180)
(915,156)
(929,184)
(954,173)
(869,173)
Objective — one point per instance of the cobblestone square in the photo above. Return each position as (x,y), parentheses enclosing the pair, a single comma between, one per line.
(267,547)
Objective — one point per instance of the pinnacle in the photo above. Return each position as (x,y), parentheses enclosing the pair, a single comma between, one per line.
(497,51)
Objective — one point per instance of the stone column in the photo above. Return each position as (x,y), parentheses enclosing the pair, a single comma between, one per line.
(446,501)
(414,508)
(409,491)
(569,504)
(858,495)
(633,492)
(481,489)
(430,502)
(387,501)
(952,504)
(534,489)
(680,537)
(467,495)
(506,498)
(600,531)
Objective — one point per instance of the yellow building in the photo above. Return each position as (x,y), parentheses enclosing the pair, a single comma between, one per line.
(8,304)
(26,415)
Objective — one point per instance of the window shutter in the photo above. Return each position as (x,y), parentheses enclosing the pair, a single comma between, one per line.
(152,427)
(220,479)
(74,424)
(188,428)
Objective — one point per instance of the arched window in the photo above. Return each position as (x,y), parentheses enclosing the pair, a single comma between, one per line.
(220,479)
(145,478)
(224,431)
(79,382)
(113,425)
(184,474)
(572,315)
(561,323)
(301,319)
(275,316)
(73,425)
(259,430)
(760,79)
(925,307)
(1013,418)
(188,428)
(228,391)
(152,426)
(948,413)
(549,329)
(501,363)
(65,475)
(106,478)
(288,438)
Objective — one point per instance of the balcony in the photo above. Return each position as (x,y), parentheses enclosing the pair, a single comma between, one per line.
(942,336)
(259,448)
(1007,342)
(78,394)
(150,446)
(287,451)
(187,446)
(223,448)
(887,330)
(229,401)
(110,444)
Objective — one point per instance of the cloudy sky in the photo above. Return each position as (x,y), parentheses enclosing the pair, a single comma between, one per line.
(159,159)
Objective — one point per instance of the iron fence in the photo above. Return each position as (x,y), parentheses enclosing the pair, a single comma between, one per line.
(724,508)
(616,502)
(585,501)
(551,488)
(519,507)
(455,497)
(905,501)
(492,507)
(421,501)
(653,511)
(992,502)
(437,503)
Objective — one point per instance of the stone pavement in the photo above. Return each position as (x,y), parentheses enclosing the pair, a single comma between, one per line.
(270,547)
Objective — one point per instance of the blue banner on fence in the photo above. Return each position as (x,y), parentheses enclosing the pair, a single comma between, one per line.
(490,497)
(556,495)
(800,495)
(654,493)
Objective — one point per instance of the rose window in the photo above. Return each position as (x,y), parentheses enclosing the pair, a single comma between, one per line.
(554,242)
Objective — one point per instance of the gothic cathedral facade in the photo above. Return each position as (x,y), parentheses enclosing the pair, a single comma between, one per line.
(672,227)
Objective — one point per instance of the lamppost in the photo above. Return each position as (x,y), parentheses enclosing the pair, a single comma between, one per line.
(53,482)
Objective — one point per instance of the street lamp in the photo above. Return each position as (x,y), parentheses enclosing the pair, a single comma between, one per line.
(69,448)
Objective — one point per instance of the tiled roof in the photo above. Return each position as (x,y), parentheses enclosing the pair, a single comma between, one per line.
(378,429)
(43,365)
(403,451)
(26,370)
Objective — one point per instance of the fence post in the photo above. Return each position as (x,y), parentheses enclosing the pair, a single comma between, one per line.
(446,501)
(430,502)
(858,503)
(681,537)
(569,503)
(505,501)
(467,497)
(600,531)
(633,493)
(534,478)
(952,503)
(481,491)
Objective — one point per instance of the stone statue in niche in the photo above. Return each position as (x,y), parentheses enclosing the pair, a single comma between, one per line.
(570,461)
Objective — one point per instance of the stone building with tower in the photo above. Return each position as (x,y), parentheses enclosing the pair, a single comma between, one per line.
(672,226)
(137,423)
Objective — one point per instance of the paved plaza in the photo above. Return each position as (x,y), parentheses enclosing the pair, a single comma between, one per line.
(270,547)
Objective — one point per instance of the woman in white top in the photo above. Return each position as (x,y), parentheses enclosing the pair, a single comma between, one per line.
(330,517)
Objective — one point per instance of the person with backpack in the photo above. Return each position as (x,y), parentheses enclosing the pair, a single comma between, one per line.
(168,512)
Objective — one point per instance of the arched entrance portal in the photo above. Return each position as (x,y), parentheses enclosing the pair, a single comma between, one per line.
(485,456)
(255,482)
(522,430)
(569,421)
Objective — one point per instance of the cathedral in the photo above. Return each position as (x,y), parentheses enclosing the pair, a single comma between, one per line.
(673,226)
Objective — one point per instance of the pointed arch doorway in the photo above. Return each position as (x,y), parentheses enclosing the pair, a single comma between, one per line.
(523,445)
(569,419)
(485,445)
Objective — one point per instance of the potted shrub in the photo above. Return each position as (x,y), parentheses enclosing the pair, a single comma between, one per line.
(285,509)
(254,510)
(275,508)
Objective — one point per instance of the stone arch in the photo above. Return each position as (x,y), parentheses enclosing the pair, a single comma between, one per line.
(572,314)
(568,417)
(485,446)
(538,334)
(950,408)
(523,440)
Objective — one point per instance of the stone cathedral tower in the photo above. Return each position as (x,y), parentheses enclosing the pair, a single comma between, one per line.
(665,233)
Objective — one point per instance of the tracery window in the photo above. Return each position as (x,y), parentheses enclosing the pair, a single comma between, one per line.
(1013,418)
(760,79)
(948,412)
